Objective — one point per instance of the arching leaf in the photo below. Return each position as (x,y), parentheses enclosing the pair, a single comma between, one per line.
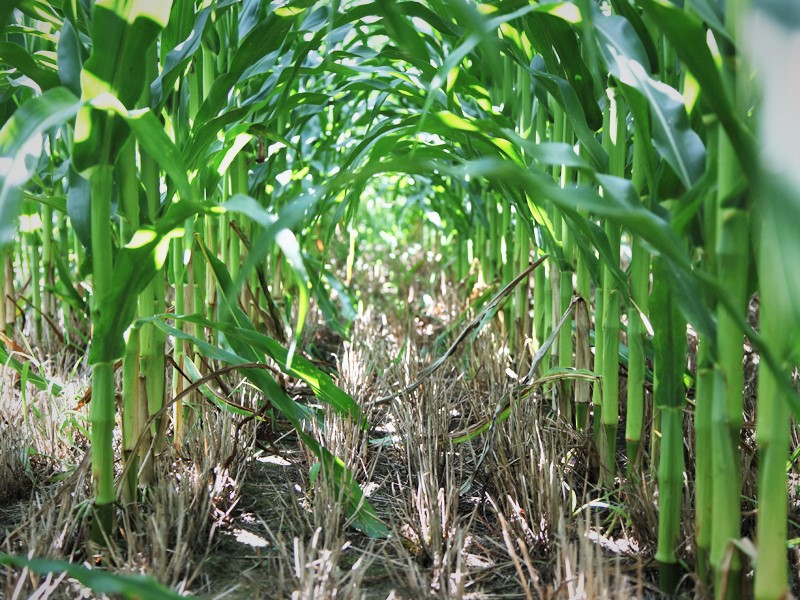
(21,146)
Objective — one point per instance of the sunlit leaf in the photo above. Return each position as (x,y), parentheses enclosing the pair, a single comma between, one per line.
(21,145)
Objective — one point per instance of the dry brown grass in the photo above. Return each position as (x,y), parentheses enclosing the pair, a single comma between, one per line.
(166,535)
(250,525)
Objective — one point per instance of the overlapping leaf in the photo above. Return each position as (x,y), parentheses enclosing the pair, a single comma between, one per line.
(122,33)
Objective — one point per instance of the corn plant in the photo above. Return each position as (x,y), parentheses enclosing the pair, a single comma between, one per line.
(206,155)
(102,149)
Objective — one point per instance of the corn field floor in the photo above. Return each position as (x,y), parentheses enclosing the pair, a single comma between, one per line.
(231,513)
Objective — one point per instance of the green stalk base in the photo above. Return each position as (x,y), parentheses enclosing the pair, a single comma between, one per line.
(608,456)
(669,575)
(634,466)
(597,432)
(581,416)
(103,524)
(129,488)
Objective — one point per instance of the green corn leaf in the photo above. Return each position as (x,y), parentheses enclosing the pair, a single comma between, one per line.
(135,265)
(179,56)
(65,289)
(177,60)
(300,367)
(77,13)
(154,140)
(205,134)
(21,146)
(240,354)
(619,202)
(625,9)
(264,38)
(246,343)
(131,587)
(236,315)
(195,375)
(291,250)
(398,28)
(181,21)
(712,16)
(249,15)
(122,32)
(276,229)
(70,58)
(19,58)
(363,515)
(483,33)
(358,509)
(562,92)
(420,11)
(558,44)
(688,36)
(322,284)
(79,206)
(39,10)
(773,28)
(7,359)
(58,203)
(779,208)
(673,137)
(6,10)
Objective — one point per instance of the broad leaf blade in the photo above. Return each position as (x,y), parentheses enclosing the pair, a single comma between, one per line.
(122,32)
(688,36)
(21,146)
(673,137)
(136,264)
(131,587)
